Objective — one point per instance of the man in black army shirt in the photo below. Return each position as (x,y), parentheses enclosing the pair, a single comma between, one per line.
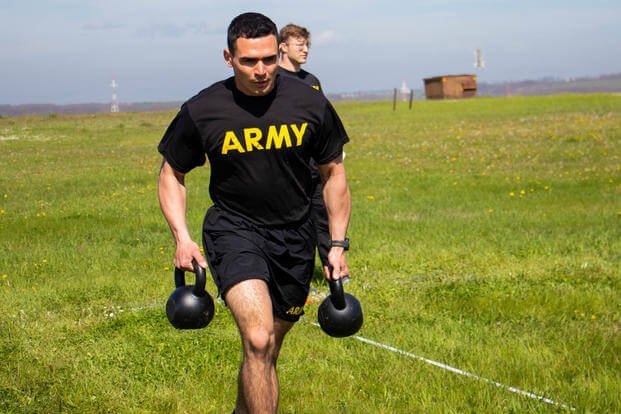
(259,132)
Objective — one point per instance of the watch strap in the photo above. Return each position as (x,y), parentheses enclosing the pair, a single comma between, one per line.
(340,243)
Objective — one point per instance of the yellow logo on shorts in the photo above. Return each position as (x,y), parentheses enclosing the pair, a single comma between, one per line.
(295,310)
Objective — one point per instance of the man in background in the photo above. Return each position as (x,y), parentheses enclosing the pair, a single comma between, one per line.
(294,43)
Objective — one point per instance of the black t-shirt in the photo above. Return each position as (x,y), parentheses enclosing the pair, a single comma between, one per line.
(259,148)
(312,81)
(306,77)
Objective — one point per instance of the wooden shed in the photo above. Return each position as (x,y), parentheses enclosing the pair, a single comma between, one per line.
(451,86)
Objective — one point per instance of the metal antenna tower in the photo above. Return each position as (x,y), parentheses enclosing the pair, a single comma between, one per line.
(479,63)
(114,107)
(405,91)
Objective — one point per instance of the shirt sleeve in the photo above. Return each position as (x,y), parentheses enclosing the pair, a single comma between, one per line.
(331,137)
(319,85)
(181,144)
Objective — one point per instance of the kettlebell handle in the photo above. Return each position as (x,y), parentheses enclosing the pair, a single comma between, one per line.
(337,294)
(201,278)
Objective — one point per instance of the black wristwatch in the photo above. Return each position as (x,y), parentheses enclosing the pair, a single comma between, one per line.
(340,243)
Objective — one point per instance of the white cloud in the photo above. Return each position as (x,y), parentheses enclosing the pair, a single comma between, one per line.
(162,30)
(103,26)
(326,37)
(172,30)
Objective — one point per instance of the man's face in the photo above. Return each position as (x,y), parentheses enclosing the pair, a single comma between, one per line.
(296,49)
(254,64)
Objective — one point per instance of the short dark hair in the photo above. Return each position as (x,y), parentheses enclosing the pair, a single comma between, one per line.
(249,26)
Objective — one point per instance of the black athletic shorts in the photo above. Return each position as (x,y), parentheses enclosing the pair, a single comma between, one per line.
(283,257)
(319,217)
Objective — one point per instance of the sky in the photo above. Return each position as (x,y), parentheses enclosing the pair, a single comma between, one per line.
(68,51)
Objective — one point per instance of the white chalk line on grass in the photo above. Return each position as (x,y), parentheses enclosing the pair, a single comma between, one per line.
(460,372)
(109,313)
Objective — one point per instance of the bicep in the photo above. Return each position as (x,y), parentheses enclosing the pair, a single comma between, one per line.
(168,175)
(334,167)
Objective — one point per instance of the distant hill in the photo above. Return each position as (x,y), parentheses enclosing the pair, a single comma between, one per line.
(549,86)
(85,108)
(546,86)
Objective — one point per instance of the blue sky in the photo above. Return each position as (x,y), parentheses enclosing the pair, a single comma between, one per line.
(67,51)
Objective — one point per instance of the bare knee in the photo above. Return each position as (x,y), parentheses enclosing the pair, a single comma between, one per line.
(260,343)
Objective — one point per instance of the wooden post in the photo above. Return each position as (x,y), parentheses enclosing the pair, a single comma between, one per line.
(411,97)
(394,100)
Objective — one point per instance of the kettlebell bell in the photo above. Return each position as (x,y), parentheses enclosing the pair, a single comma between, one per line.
(340,314)
(190,306)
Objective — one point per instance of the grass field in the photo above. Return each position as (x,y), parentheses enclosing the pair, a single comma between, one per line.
(486,235)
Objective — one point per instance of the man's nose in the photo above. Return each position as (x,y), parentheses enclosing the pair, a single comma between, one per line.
(259,70)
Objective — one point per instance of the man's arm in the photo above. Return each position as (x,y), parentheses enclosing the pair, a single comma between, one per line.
(338,204)
(172,196)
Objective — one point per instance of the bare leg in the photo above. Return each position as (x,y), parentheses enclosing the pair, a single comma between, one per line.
(262,337)
(281,328)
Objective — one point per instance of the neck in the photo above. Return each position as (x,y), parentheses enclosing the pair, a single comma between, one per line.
(290,65)
(240,90)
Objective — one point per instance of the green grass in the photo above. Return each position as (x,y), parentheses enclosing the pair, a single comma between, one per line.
(486,235)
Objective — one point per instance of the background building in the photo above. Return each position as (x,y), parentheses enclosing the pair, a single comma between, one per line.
(451,86)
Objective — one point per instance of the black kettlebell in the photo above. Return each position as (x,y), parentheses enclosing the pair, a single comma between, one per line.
(340,314)
(190,306)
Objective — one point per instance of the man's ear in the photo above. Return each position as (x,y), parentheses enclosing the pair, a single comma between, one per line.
(228,58)
(281,47)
